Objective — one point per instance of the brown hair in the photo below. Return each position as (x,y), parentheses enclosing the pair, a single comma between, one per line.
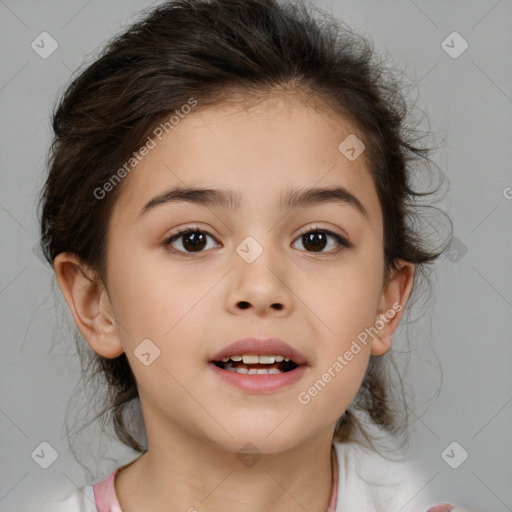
(212,51)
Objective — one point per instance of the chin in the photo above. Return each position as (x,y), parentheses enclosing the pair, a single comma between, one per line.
(259,438)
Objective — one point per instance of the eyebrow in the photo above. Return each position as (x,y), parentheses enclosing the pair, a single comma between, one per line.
(230,199)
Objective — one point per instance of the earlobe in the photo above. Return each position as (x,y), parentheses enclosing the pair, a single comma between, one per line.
(89,304)
(393,300)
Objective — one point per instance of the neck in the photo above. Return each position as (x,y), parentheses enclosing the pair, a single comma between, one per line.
(184,473)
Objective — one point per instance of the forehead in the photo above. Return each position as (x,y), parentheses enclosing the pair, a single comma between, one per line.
(260,149)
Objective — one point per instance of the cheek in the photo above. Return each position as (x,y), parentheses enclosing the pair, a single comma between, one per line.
(346,301)
(167,307)
(150,297)
(333,387)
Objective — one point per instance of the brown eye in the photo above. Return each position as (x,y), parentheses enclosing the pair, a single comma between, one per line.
(316,240)
(192,240)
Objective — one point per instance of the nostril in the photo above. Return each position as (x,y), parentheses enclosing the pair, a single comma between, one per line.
(244,305)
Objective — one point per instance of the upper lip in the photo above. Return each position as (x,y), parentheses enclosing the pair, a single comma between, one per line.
(260,346)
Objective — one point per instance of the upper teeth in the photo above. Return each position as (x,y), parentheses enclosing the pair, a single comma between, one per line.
(252,359)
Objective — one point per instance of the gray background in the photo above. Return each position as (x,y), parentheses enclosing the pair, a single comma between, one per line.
(466,330)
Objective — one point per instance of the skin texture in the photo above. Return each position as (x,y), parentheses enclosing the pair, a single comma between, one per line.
(190,307)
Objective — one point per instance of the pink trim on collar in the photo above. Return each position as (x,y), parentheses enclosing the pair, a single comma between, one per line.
(105,495)
(443,507)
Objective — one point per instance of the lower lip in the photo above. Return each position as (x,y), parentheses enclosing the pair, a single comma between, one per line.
(255,383)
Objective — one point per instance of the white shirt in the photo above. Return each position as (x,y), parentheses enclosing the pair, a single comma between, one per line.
(367,482)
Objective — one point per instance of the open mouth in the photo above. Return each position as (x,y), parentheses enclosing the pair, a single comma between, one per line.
(256,365)
(258,374)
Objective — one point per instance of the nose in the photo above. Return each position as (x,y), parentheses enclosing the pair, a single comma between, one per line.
(261,285)
(243,304)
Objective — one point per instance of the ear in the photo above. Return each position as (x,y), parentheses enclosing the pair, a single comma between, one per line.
(89,303)
(395,294)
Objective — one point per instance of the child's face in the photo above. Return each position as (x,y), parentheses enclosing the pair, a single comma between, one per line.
(192,305)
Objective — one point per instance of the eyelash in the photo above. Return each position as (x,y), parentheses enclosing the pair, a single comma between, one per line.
(344,244)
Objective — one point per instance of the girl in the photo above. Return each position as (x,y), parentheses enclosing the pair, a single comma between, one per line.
(225,212)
